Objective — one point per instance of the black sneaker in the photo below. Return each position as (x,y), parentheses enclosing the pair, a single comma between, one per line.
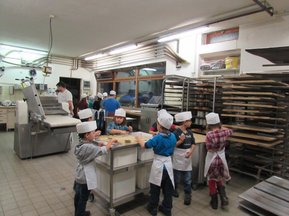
(166,213)
(152,211)
(87,213)
(175,193)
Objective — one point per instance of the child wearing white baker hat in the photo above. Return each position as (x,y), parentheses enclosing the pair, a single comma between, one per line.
(86,152)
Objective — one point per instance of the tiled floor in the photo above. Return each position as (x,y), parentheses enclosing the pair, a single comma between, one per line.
(43,186)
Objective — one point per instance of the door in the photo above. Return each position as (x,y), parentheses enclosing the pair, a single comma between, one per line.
(73,85)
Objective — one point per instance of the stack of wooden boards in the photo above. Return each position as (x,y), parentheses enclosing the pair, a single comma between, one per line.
(257,110)
(270,197)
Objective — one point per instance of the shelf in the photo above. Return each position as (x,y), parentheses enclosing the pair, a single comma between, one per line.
(223,72)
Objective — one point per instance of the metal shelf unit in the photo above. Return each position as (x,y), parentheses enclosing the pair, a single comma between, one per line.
(257,109)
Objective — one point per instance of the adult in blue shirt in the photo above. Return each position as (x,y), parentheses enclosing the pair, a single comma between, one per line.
(111,104)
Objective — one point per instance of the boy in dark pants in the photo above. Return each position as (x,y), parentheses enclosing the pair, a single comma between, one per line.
(161,176)
(86,152)
(182,161)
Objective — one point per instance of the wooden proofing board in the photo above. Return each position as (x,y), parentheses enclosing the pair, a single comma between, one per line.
(271,195)
(255,143)
(252,128)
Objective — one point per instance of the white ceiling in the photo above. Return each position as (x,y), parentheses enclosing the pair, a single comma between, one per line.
(82,26)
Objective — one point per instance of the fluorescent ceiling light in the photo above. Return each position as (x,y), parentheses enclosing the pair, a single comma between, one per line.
(149,69)
(183,34)
(99,55)
(123,49)
(20,49)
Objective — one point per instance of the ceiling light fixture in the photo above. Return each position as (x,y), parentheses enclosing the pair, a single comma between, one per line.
(148,69)
(99,55)
(123,49)
(182,34)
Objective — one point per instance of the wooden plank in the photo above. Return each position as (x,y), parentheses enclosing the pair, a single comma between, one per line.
(278,181)
(265,201)
(249,98)
(255,105)
(254,209)
(252,128)
(253,93)
(255,143)
(254,117)
(273,190)
(254,136)
(256,82)
(246,111)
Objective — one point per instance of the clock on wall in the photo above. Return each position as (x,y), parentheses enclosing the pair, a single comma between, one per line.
(32,72)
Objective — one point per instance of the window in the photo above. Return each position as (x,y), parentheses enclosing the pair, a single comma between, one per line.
(105,87)
(150,91)
(223,35)
(153,69)
(134,85)
(126,93)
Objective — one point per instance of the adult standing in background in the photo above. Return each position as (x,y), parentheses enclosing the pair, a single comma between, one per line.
(97,102)
(64,96)
(82,104)
(111,104)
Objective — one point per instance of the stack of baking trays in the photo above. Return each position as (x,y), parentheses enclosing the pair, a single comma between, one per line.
(256,108)
(270,197)
(204,97)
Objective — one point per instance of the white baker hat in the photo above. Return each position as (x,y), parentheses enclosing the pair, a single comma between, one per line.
(212,118)
(104,94)
(86,127)
(84,114)
(183,116)
(165,119)
(120,112)
(161,111)
(112,92)
(83,96)
(99,95)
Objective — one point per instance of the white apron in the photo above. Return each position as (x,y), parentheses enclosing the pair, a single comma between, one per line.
(180,162)
(90,174)
(157,169)
(210,158)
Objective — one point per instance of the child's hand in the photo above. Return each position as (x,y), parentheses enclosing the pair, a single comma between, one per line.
(100,144)
(188,153)
(124,132)
(182,137)
(114,141)
(97,133)
(130,128)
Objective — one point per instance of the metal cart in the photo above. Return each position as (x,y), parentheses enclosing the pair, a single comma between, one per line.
(112,171)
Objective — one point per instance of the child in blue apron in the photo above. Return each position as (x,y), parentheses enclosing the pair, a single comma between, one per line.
(118,125)
(161,176)
(182,161)
(216,168)
(86,152)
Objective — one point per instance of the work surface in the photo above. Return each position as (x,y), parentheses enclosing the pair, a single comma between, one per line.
(129,139)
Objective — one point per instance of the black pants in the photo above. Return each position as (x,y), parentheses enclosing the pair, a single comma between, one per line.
(167,188)
(80,198)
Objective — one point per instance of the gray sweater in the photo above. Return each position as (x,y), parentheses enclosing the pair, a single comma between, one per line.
(86,153)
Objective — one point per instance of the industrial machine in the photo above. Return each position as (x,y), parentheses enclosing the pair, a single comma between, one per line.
(149,116)
(42,125)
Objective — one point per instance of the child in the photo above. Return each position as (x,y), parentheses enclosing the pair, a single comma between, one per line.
(87,115)
(182,161)
(216,168)
(153,129)
(161,176)
(118,126)
(86,152)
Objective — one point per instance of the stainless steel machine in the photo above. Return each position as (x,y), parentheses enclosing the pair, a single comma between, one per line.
(148,116)
(42,125)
